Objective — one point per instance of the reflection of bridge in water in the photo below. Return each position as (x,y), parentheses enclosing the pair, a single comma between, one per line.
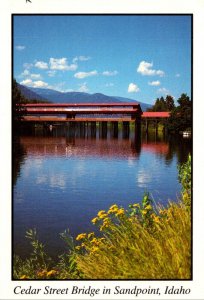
(62,146)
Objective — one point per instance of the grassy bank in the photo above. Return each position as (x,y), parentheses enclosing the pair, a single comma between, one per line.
(141,242)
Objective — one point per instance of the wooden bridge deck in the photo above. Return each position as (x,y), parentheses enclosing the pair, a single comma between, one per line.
(76,119)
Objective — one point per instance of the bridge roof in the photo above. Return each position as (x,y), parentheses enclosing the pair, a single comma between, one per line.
(83,108)
(156,114)
(81,104)
(80,110)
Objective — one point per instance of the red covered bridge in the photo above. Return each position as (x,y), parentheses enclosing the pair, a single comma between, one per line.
(89,112)
(156,114)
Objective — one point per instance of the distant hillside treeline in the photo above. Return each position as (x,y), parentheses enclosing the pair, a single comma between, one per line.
(29,96)
(48,95)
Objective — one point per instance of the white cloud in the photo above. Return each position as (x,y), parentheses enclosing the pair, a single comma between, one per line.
(109,84)
(110,73)
(41,65)
(38,83)
(57,181)
(61,64)
(81,58)
(145,68)
(51,73)
(155,83)
(178,75)
(68,90)
(20,47)
(58,86)
(81,75)
(133,88)
(72,67)
(163,91)
(143,178)
(27,65)
(35,76)
(27,82)
(83,88)
(25,73)
(84,58)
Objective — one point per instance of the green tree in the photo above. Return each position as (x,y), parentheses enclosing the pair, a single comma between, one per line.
(17,98)
(162,104)
(169,103)
(181,115)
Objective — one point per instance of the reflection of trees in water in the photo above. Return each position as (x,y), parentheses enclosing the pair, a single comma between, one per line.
(18,153)
(136,145)
(180,147)
(176,145)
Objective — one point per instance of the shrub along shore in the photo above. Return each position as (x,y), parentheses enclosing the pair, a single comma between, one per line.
(141,242)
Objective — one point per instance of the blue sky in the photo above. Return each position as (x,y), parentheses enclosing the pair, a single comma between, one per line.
(133,56)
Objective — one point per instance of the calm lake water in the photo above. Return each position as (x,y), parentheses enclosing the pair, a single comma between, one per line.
(61,179)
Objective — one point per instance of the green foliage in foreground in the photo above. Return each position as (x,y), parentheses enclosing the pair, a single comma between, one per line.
(141,242)
(185,180)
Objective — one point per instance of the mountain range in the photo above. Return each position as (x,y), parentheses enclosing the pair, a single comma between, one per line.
(54,96)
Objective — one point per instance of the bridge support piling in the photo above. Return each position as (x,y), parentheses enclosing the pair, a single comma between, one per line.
(156,126)
(146,125)
(103,130)
(115,129)
(93,129)
(82,129)
(126,129)
(72,128)
(165,128)
(86,129)
(138,126)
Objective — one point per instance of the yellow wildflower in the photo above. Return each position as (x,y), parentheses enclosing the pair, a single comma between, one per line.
(111,247)
(90,235)
(114,206)
(78,247)
(24,277)
(136,205)
(148,207)
(81,236)
(120,212)
(144,212)
(95,241)
(156,219)
(106,221)
(113,209)
(42,273)
(102,214)
(94,221)
(103,227)
(185,196)
(51,273)
(163,212)
(94,249)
